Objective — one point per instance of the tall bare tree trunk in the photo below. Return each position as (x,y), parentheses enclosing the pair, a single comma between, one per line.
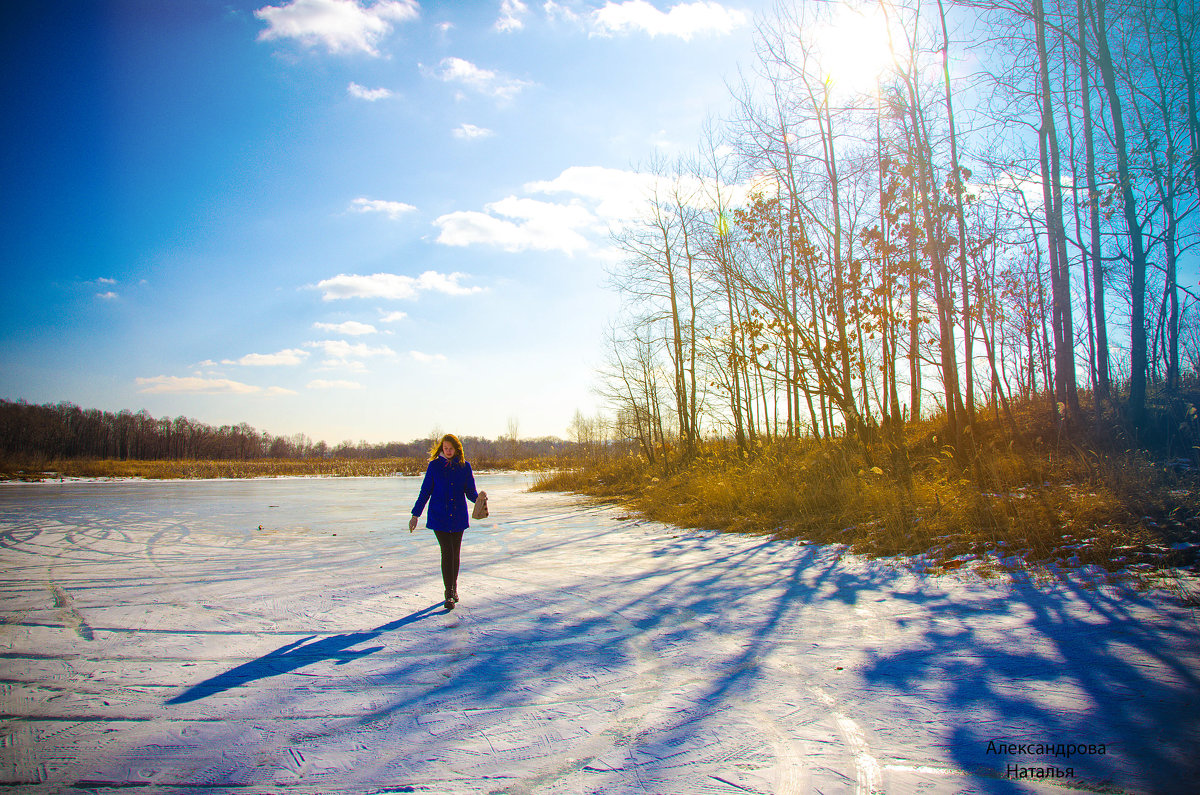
(1093,204)
(935,250)
(956,182)
(1186,28)
(1166,182)
(1077,211)
(914,325)
(1064,335)
(853,421)
(735,397)
(1137,315)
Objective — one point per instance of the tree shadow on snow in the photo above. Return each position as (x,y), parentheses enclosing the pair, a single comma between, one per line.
(1025,664)
(1072,666)
(962,668)
(296,655)
(624,628)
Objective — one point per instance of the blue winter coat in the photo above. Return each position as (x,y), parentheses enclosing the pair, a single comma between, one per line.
(446,488)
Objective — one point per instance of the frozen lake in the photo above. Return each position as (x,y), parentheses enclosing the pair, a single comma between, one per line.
(269,635)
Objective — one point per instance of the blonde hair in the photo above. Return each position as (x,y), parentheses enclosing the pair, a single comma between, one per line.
(453,440)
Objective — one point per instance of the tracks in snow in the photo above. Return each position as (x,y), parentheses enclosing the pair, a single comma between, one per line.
(589,655)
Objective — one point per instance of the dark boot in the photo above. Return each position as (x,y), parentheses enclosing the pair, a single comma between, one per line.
(451,598)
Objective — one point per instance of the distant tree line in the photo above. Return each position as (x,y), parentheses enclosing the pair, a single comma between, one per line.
(66,431)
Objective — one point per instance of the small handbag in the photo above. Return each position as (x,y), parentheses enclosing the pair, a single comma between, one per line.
(480,510)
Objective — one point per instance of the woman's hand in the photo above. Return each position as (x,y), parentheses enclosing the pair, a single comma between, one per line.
(412,524)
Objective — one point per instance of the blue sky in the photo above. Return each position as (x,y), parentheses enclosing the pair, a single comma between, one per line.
(356,220)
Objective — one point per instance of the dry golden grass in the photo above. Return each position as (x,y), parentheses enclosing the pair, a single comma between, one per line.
(1019,497)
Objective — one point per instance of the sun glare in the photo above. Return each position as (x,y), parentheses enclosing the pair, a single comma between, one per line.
(853,48)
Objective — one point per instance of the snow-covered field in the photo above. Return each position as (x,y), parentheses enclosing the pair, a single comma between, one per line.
(155,636)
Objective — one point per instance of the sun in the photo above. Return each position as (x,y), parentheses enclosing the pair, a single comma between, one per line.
(853,48)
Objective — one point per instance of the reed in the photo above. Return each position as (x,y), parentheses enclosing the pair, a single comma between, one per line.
(1018,499)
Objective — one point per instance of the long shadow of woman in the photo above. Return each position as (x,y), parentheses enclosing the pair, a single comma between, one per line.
(296,655)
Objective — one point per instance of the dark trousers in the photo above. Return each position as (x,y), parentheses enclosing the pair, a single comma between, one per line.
(450,543)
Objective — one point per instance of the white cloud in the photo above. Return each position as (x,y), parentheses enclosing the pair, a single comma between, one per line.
(108,296)
(392,209)
(291,356)
(393,286)
(523,224)
(369,94)
(339,25)
(391,317)
(350,350)
(484,81)
(618,195)
(543,213)
(511,12)
(621,196)
(321,383)
(469,132)
(175,385)
(595,201)
(426,358)
(556,11)
(340,353)
(104,280)
(351,328)
(683,20)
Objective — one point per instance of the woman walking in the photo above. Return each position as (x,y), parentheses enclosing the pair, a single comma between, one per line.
(448,485)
